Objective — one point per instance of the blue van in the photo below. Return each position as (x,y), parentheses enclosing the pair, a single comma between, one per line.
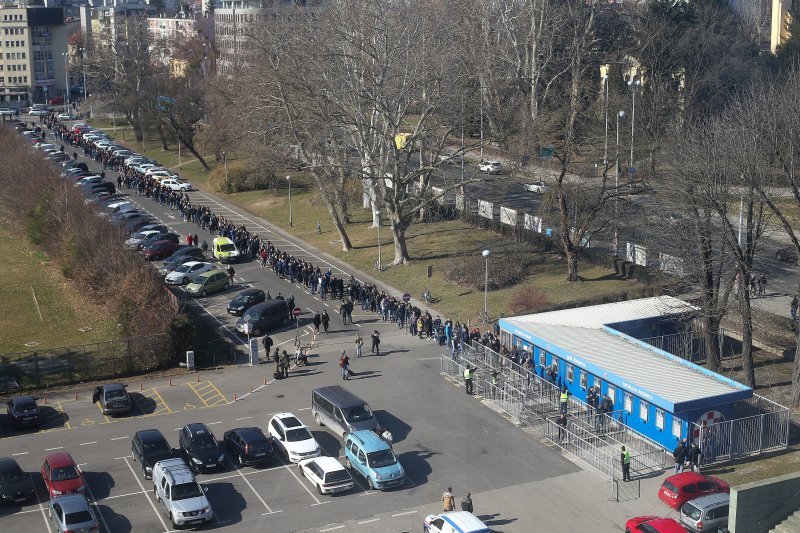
(372,457)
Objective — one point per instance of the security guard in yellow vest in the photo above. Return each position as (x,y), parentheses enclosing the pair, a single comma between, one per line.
(625,459)
(563,399)
(468,372)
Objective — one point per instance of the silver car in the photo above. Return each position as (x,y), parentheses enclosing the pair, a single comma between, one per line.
(706,513)
(72,512)
(187,272)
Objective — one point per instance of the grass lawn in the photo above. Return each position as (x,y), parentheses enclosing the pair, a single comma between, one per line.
(437,244)
(63,308)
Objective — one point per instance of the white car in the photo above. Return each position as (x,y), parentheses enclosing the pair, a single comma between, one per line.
(492,167)
(176,185)
(137,238)
(293,438)
(327,474)
(452,522)
(537,186)
(38,112)
(153,171)
(67,116)
(187,272)
(6,112)
(45,146)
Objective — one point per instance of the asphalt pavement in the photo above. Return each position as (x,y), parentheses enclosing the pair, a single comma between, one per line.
(441,437)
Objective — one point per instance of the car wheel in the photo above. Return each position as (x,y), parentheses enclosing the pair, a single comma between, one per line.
(319,489)
(347,464)
(225,287)
(241,460)
(155,494)
(144,472)
(318,420)
(203,294)
(370,486)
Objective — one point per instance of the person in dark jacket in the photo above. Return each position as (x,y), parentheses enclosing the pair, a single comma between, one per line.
(317,321)
(267,345)
(466,503)
(326,320)
(694,457)
(679,454)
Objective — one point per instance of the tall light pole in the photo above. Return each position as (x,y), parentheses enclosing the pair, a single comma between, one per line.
(289,180)
(83,62)
(66,81)
(605,112)
(462,142)
(634,85)
(480,97)
(378,214)
(741,210)
(225,164)
(486,254)
(615,247)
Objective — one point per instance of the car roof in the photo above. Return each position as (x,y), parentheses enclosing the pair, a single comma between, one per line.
(266,305)
(340,396)
(464,522)
(150,435)
(222,240)
(113,386)
(209,273)
(710,499)
(250,292)
(684,478)
(250,434)
(71,502)
(282,418)
(368,439)
(7,463)
(193,263)
(197,427)
(328,464)
(60,459)
(22,399)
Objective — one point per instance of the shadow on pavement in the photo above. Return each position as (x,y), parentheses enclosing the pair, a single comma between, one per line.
(100,483)
(115,521)
(398,428)
(328,442)
(416,463)
(227,503)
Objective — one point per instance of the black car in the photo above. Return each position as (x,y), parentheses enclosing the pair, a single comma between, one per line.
(149,447)
(245,300)
(113,399)
(200,449)
(155,227)
(248,445)
(16,486)
(24,411)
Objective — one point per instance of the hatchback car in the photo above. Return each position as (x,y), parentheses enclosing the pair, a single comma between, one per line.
(61,475)
(245,300)
(180,256)
(149,447)
(460,521)
(24,411)
(200,449)
(187,272)
(292,438)
(113,399)
(706,513)
(16,486)
(653,524)
(72,513)
(492,167)
(158,250)
(680,488)
(175,185)
(208,283)
(369,455)
(249,446)
(326,474)
(136,240)
(537,186)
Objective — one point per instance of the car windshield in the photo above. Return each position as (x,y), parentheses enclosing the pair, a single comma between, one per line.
(115,395)
(357,413)
(381,458)
(199,280)
(227,248)
(9,475)
(670,487)
(25,405)
(203,442)
(64,473)
(156,448)
(185,491)
(138,236)
(298,434)
(79,517)
(691,511)
(183,268)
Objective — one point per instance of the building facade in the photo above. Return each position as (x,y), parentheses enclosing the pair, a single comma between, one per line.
(108,22)
(33,54)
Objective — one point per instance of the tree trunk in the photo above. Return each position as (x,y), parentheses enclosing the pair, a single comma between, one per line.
(747,335)
(711,340)
(796,373)
(399,237)
(572,263)
(163,139)
(197,156)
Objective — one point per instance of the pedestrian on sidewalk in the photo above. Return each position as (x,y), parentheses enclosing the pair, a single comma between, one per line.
(793,307)
(468,373)
(561,422)
(317,321)
(344,364)
(466,503)
(359,345)
(448,503)
(563,400)
(326,320)
(267,345)
(376,342)
(679,455)
(694,457)
(625,459)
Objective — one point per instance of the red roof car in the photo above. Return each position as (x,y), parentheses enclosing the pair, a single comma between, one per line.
(680,488)
(653,524)
(61,475)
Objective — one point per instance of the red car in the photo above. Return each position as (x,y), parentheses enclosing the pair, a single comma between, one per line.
(680,488)
(61,475)
(653,524)
(159,250)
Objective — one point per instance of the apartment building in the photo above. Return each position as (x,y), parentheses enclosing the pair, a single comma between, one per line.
(33,60)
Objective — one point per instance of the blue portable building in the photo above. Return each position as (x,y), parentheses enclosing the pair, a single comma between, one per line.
(659,394)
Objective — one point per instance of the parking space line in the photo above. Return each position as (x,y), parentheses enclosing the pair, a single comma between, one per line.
(155,396)
(123,495)
(56,448)
(147,496)
(208,393)
(120,438)
(405,513)
(106,420)
(60,416)
(331,529)
(291,471)
(368,521)
(96,506)
(267,507)
(45,515)
(20,453)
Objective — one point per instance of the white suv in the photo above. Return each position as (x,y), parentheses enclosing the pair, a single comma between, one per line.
(183,498)
(293,438)
(492,167)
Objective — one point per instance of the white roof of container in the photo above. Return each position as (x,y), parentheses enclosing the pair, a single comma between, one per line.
(597,316)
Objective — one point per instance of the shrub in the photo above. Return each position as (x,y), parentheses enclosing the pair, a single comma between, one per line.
(504,271)
(241,177)
(528,299)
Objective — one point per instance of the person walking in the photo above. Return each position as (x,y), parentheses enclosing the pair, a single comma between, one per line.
(561,422)
(317,321)
(359,345)
(625,459)
(694,457)
(793,307)
(376,342)
(468,373)
(285,363)
(344,364)
(466,503)
(326,320)
(267,345)
(679,455)
(563,400)
(448,502)
(205,248)
(231,272)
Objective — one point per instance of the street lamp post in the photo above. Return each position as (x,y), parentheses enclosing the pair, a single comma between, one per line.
(634,85)
(486,254)
(225,165)
(615,247)
(289,180)
(380,265)
(66,82)
(480,97)
(605,112)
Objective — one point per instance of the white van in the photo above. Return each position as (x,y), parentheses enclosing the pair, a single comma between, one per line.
(181,495)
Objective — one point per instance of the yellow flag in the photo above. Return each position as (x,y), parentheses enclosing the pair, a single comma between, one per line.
(400,140)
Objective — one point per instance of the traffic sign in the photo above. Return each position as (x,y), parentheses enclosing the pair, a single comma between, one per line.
(406,297)
(297,311)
